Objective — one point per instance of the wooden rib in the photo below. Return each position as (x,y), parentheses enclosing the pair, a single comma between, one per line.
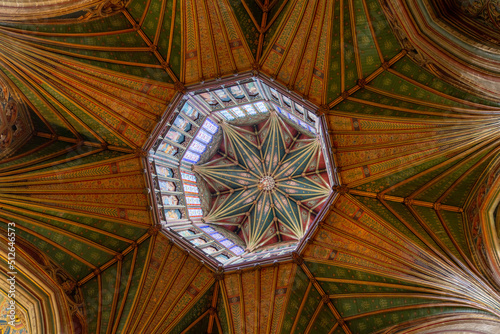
(214,306)
(250,14)
(257,301)
(278,31)
(153,314)
(291,39)
(400,199)
(225,35)
(330,305)
(278,12)
(468,148)
(329,28)
(305,42)
(372,31)
(261,32)
(242,302)
(57,230)
(153,285)
(144,274)
(20,168)
(226,307)
(203,315)
(451,150)
(464,175)
(171,35)
(188,308)
(402,308)
(369,78)
(143,16)
(31,84)
(355,40)
(272,297)
(116,296)
(64,221)
(160,22)
(47,240)
(301,307)
(313,318)
(215,58)
(430,104)
(436,92)
(125,293)
(450,170)
(99,303)
(342,48)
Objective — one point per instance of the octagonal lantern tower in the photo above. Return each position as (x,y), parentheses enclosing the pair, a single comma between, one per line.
(241,172)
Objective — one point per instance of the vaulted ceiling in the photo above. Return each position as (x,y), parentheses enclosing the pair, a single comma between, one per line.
(408,245)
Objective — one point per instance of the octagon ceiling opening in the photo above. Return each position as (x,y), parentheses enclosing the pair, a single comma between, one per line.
(240,172)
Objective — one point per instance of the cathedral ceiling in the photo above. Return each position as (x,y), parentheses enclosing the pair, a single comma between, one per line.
(399,248)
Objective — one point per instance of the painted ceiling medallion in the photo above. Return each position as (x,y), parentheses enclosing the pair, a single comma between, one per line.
(267,181)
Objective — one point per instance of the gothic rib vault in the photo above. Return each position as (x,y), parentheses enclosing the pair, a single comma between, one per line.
(407,244)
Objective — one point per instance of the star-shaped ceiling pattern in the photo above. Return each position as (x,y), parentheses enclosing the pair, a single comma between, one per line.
(268,182)
(407,243)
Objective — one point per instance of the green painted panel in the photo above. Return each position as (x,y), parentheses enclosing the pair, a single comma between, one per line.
(150,23)
(387,181)
(406,215)
(108,282)
(110,23)
(432,220)
(129,39)
(195,312)
(391,83)
(376,206)
(247,26)
(349,307)
(455,224)
(377,322)
(370,60)
(139,267)
(136,8)
(410,69)
(369,96)
(324,321)
(406,189)
(95,157)
(164,38)
(320,270)
(127,231)
(297,293)
(200,327)
(459,194)
(52,148)
(31,144)
(90,291)
(101,239)
(312,302)
(432,193)
(175,60)
(389,45)
(334,70)
(349,71)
